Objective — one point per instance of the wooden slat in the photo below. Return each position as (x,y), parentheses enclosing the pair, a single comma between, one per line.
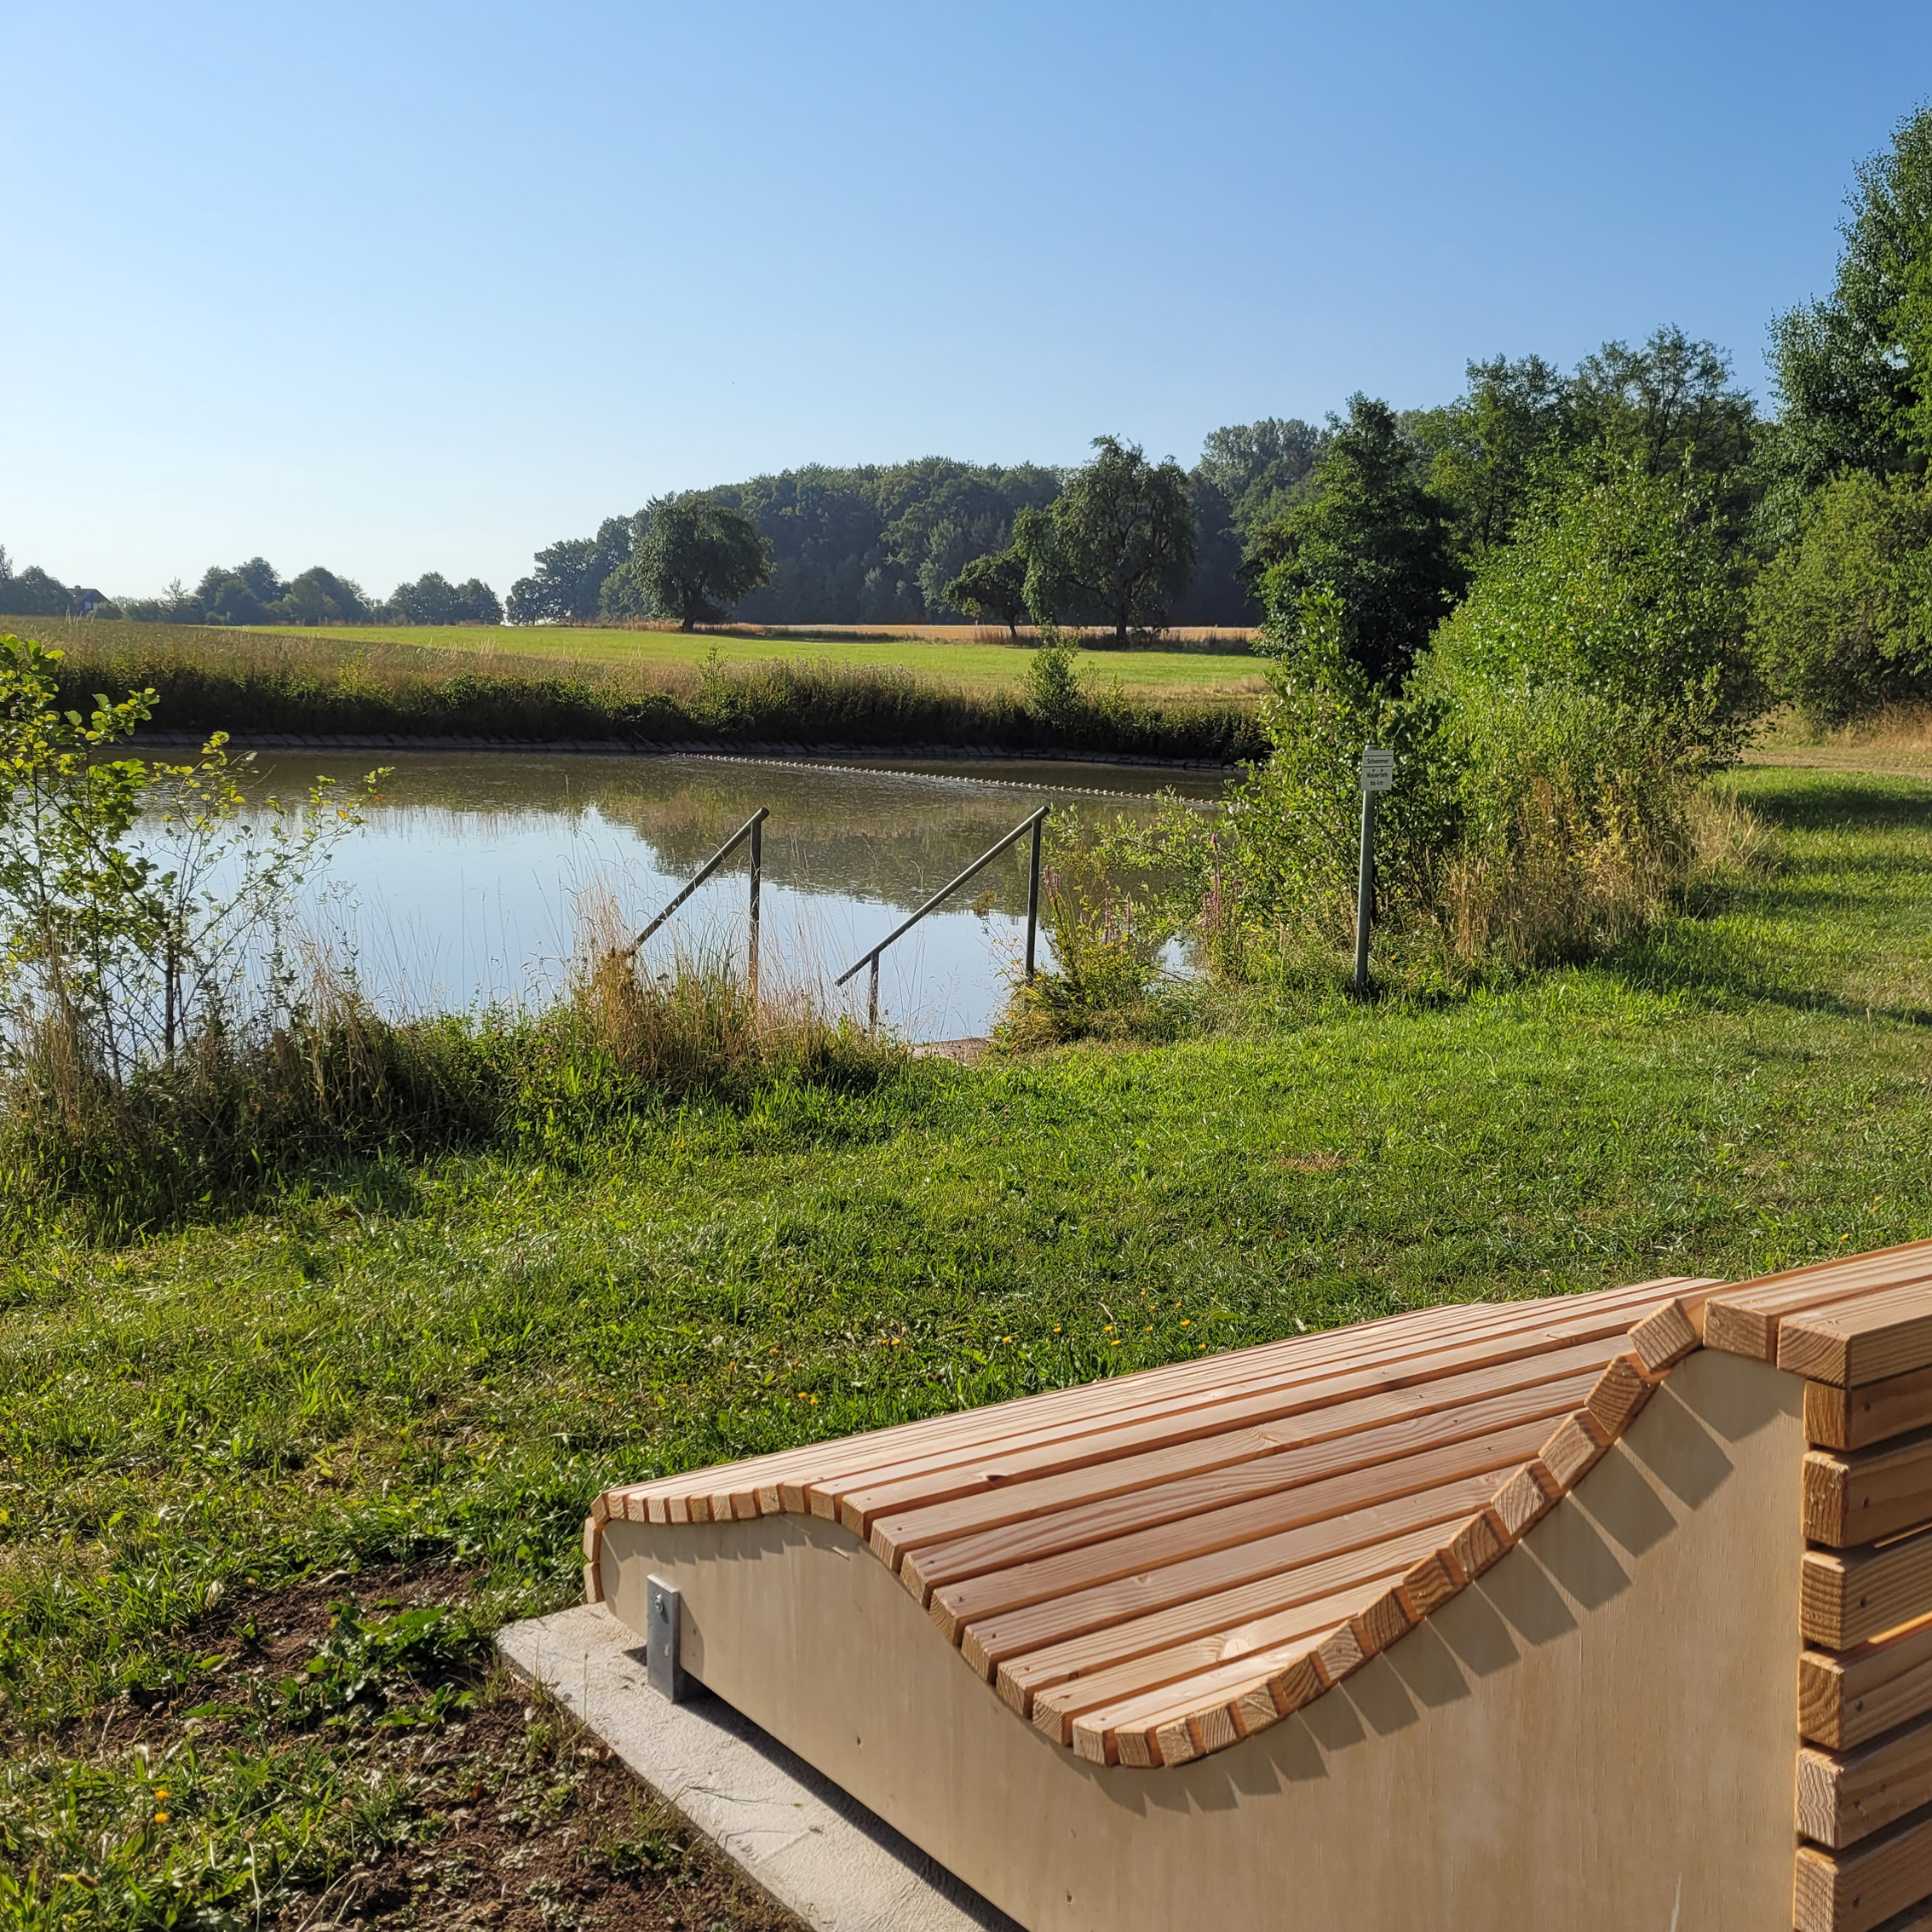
(1856,1891)
(1358,1399)
(1871,1339)
(1849,1699)
(1381,1359)
(1744,1319)
(1843,1797)
(1329,1593)
(1845,1598)
(993,1422)
(981,1596)
(1014,1543)
(1157,1649)
(1663,1338)
(1042,1628)
(1097,1735)
(1866,1495)
(1855,1418)
(1573,1447)
(1527,1496)
(1620,1393)
(1388,1424)
(1393,1336)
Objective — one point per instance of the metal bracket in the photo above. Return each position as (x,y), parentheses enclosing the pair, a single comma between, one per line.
(663,1616)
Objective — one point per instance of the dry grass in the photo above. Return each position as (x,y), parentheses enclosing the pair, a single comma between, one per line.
(1578,879)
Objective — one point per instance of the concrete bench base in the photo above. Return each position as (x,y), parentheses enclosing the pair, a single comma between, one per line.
(799,1838)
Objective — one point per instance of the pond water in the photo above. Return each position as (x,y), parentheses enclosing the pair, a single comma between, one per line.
(474,878)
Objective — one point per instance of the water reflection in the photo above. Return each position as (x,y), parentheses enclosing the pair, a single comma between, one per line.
(470,880)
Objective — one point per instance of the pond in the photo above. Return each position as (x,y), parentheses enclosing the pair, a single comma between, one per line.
(474,879)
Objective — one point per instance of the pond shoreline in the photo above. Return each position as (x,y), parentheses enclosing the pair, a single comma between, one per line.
(854,756)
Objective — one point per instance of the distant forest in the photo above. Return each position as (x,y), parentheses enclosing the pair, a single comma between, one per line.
(879,543)
(874,544)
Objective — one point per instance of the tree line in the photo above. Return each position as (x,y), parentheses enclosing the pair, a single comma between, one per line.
(253,593)
(1394,509)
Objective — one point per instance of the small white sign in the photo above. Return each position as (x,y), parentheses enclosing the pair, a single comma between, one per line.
(1378,769)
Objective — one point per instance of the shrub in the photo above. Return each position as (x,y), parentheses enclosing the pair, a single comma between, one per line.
(1842,620)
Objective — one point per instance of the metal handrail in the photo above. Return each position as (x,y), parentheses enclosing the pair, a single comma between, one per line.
(753,829)
(1033,825)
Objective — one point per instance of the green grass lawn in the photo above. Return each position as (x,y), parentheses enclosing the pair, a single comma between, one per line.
(978,666)
(414,1377)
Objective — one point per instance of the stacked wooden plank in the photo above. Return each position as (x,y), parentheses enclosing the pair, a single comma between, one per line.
(1152,1568)
(1860,1332)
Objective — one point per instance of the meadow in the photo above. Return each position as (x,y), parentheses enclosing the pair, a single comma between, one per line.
(976,659)
(654,687)
(266,1478)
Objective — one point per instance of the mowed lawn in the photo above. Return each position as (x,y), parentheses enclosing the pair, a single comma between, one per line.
(964,662)
(412,1377)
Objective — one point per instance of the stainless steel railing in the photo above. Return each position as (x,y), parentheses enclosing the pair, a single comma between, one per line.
(1033,825)
(753,829)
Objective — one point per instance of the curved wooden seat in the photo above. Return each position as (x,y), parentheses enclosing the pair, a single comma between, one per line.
(1154,1568)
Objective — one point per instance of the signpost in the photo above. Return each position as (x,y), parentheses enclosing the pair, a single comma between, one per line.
(1378,775)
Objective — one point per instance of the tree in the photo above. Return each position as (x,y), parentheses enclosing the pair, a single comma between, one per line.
(1122,539)
(1621,583)
(1664,405)
(568,583)
(1375,535)
(995,583)
(1855,369)
(320,596)
(433,599)
(238,594)
(697,558)
(1842,620)
(1487,447)
(32,592)
(1258,467)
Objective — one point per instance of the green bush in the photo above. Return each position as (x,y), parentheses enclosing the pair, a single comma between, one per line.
(1547,748)
(1842,620)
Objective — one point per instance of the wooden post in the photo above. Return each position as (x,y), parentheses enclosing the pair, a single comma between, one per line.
(1378,774)
(1033,896)
(757,871)
(1364,895)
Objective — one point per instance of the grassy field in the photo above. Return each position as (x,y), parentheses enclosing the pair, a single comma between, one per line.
(965,660)
(405,1382)
(363,683)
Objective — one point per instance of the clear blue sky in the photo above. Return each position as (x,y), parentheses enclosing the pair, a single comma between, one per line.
(398,287)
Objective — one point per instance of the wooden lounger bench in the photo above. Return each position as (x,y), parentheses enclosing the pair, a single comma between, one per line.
(1108,1693)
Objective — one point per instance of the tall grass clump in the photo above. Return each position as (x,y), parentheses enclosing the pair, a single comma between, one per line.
(167,1046)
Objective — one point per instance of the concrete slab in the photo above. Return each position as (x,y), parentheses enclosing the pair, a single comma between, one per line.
(797,1836)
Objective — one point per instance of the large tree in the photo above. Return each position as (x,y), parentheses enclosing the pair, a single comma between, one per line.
(994,585)
(1855,369)
(1374,534)
(433,599)
(697,558)
(1117,542)
(568,582)
(1487,447)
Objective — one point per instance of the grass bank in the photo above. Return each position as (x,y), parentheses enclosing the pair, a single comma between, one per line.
(408,1376)
(366,686)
